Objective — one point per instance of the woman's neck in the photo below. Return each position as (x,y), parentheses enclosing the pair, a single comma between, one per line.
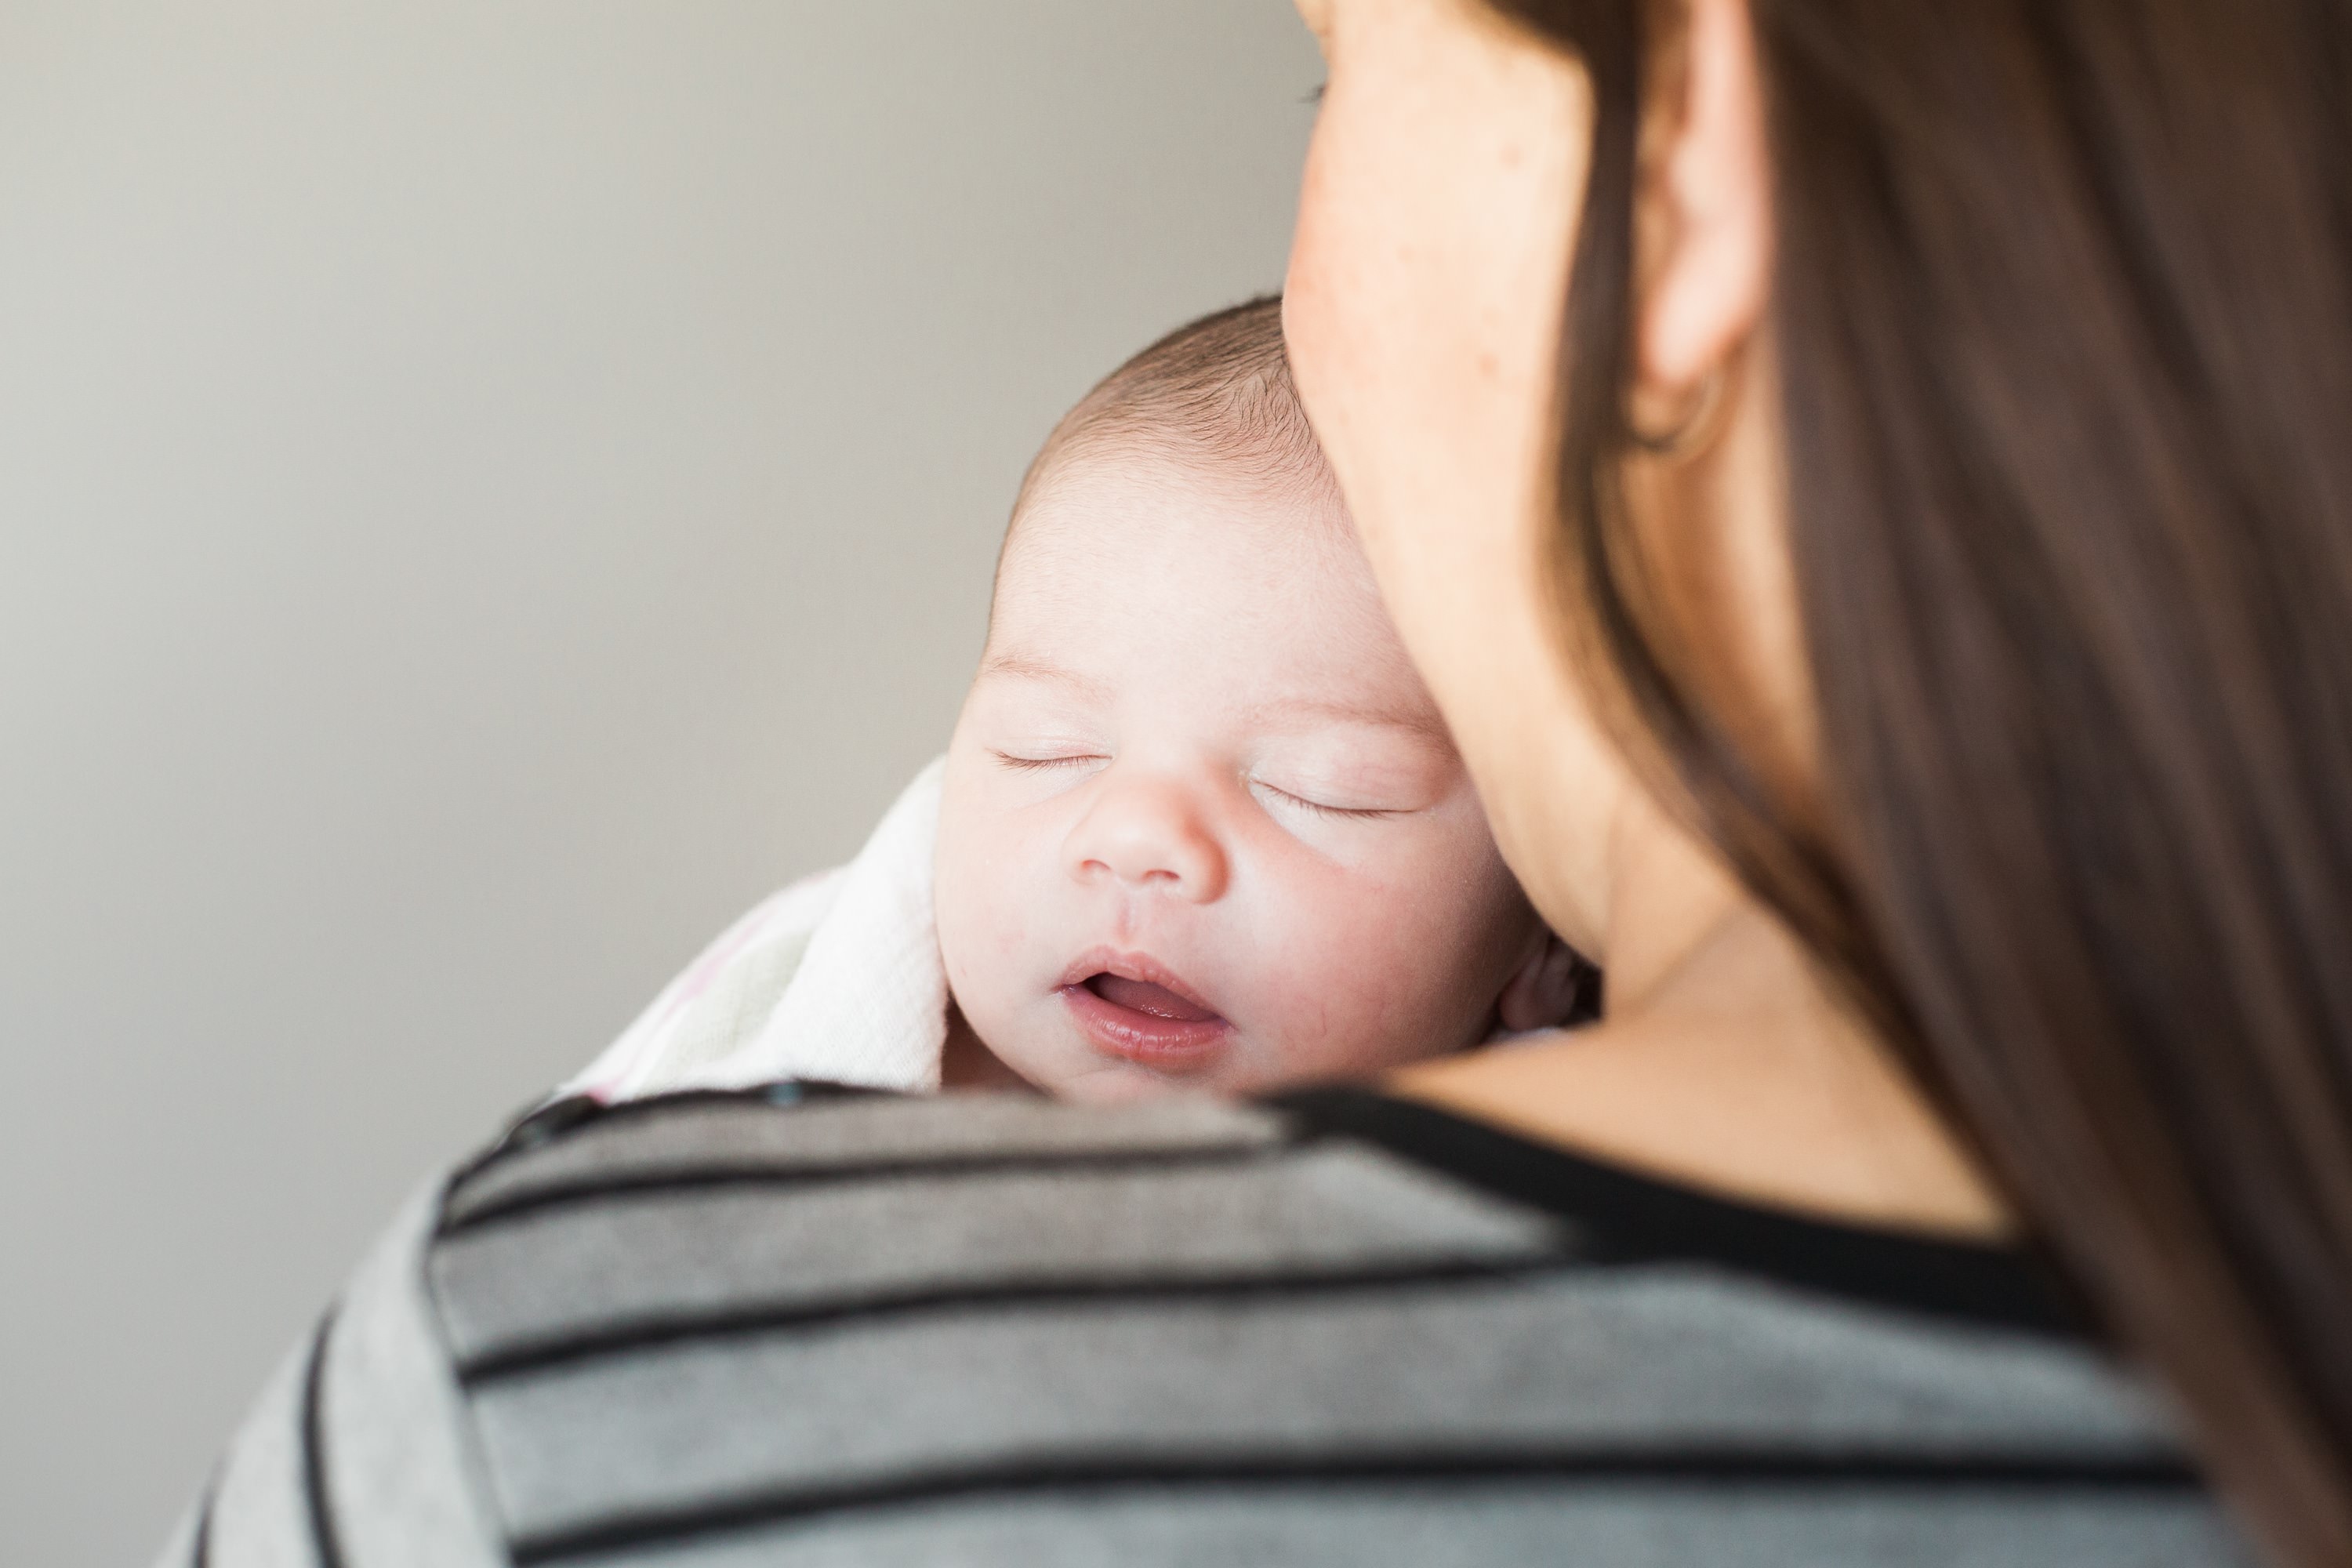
(1723,1063)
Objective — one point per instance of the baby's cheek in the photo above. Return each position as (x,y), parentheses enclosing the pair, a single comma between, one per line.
(1392,961)
(1339,960)
(980,903)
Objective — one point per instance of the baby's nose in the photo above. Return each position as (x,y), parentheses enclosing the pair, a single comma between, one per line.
(1148,834)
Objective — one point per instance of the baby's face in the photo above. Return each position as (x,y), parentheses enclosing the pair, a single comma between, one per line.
(1201,823)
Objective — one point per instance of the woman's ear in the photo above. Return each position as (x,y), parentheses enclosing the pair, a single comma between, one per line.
(1554,987)
(1704,213)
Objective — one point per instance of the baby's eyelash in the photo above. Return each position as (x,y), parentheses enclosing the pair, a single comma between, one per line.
(1314,94)
(1317,808)
(1039,765)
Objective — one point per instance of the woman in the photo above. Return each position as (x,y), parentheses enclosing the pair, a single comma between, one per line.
(2012,342)
(1890,450)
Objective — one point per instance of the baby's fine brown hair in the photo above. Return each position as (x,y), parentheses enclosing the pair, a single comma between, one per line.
(1217,388)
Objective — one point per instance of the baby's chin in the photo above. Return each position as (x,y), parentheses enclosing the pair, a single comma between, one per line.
(1055,1054)
(1099,1079)
(1085,1078)
(1116,1083)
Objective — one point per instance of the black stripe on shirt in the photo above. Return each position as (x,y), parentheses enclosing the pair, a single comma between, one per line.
(657,1334)
(547,1123)
(459,1220)
(1097,1473)
(200,1555)
(1622,1218)
(325,1538)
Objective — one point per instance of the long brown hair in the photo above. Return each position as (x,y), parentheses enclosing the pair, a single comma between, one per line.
(2062,302)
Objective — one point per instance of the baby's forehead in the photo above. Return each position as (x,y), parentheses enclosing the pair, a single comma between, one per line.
(1147,576)
(1134,494)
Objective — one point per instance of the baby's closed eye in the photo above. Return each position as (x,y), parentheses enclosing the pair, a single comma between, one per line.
(1349,781)
(1045,759)
(1304,799)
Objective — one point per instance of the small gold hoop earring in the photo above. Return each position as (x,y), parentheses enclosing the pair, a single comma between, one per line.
(1694,430)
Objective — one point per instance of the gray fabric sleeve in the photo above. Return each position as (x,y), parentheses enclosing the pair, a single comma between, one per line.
(358,1453)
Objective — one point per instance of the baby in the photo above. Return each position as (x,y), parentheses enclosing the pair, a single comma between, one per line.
(1199,823)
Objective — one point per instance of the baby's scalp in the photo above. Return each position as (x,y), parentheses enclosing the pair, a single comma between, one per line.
(1213,396)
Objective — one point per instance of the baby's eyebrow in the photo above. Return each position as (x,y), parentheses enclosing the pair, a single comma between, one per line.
(1029,667)
(1418,720)
(1414,719)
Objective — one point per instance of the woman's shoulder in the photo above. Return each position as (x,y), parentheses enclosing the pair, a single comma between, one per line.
(832,1326)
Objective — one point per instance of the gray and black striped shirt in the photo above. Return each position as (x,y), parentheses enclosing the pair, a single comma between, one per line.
(807,1328)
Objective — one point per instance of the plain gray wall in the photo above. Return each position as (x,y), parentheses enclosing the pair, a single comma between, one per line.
(487,490)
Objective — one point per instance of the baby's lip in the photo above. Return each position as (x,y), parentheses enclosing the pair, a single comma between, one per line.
(1131,1007)
(1140,966)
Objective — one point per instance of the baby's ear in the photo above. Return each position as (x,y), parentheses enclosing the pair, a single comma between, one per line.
(1555,987)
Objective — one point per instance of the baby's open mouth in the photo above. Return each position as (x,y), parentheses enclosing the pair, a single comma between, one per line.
(1143,996)
(1129,1006)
